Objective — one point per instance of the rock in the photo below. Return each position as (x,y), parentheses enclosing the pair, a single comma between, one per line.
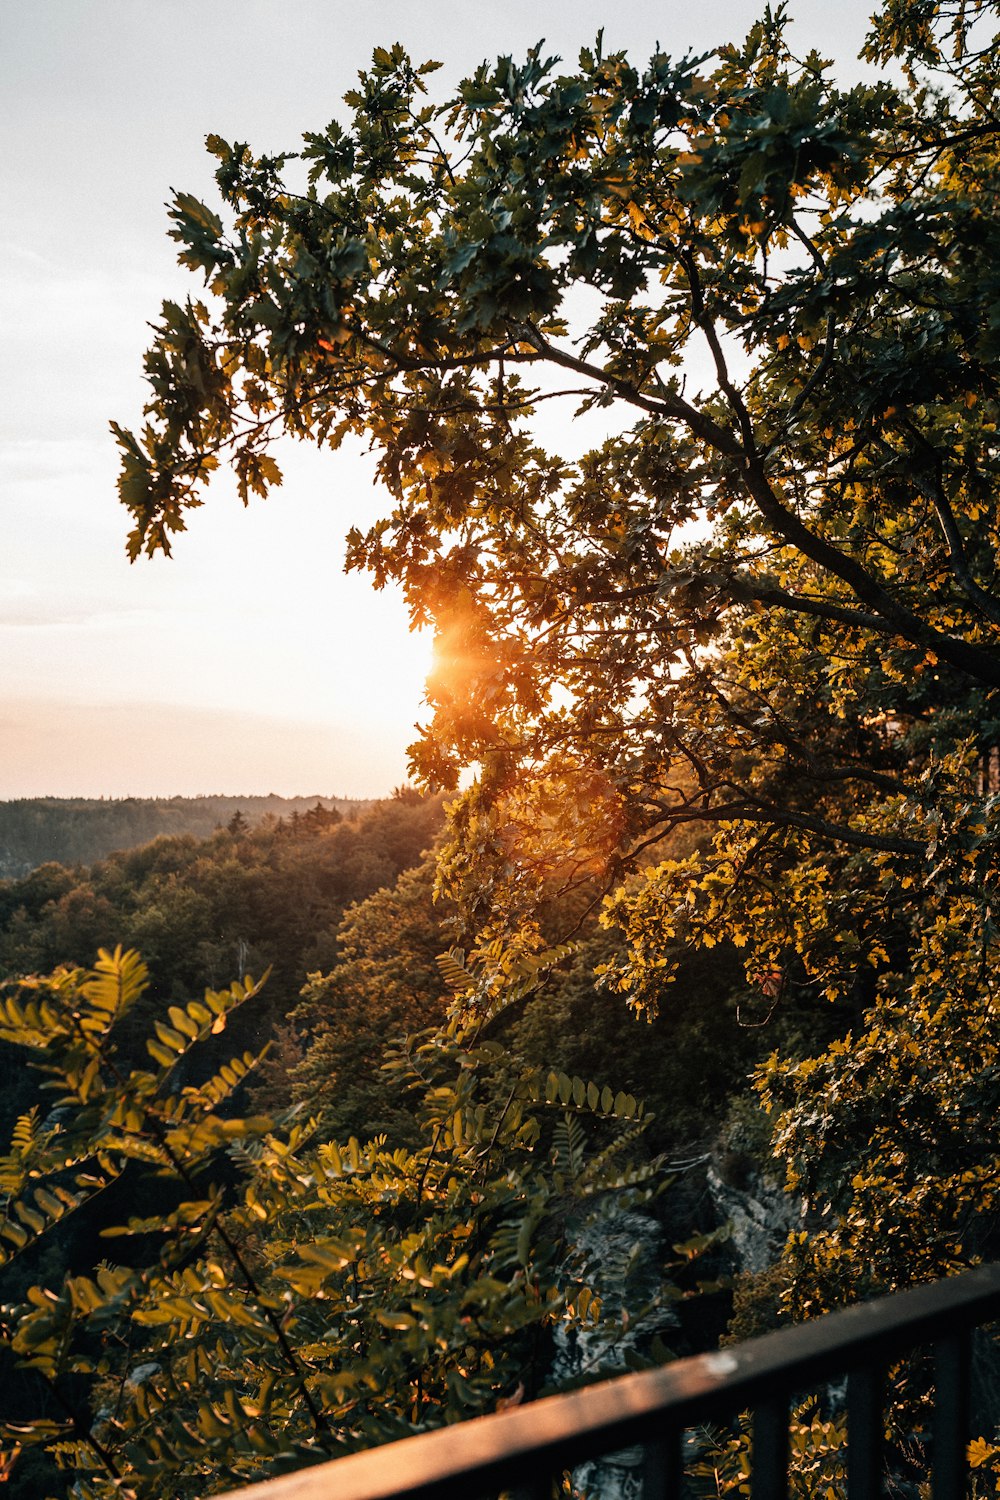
(623,1255)
(761,1215)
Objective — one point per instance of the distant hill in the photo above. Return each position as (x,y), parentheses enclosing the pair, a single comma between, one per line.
(80,830)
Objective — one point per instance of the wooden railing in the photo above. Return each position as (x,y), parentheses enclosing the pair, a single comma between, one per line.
(522,1450)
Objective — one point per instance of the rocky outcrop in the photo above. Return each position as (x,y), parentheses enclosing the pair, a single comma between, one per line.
(623,1255)
(761,1215)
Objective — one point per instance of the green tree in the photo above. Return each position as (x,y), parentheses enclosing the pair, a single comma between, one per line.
(269,896)
(385,985)
(763,600)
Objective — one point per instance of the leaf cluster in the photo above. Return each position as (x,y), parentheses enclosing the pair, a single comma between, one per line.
(326,1297)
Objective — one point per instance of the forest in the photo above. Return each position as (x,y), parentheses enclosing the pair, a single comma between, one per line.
(360,961)
(80,830)
(357,1129)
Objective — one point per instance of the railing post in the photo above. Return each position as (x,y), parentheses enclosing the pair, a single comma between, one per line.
(952,1360)
(663,1467)
(769,1477)
(865,1423)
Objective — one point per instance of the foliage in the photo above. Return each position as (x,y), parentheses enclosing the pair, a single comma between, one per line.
(891,1135)
(270,896)
(331,1297)
(818,1453)
(984,1461)
(817,1457)
(763,601)
(685,1062)
(386,984)
(266,897)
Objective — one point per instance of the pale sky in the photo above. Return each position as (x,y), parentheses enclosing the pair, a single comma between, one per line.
(249,662)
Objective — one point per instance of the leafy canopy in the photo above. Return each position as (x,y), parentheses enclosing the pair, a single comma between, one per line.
(761,597)
(780,298)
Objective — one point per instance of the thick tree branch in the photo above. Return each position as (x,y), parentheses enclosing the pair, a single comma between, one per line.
(935,492)
(972,660)
(784,817)
(670,406)
(745,807)
(746,590)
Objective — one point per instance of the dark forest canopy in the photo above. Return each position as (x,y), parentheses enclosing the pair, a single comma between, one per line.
(245,898)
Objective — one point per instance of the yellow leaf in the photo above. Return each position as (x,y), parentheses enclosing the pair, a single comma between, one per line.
(980,1452)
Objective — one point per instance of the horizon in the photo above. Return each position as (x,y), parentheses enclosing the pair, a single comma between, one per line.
(205,797)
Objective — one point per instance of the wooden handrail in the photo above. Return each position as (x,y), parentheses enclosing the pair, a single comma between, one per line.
(487,1454)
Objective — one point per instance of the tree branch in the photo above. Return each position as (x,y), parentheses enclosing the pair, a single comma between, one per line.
(972,660)
(936,494)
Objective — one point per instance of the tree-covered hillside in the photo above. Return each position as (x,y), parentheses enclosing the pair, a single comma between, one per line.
(80,830)
(245,899)
(374,1065)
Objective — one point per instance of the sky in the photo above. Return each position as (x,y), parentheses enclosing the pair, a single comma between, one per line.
(248,662)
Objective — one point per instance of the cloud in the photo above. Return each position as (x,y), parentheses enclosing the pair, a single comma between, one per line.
(27,256)
(30,460)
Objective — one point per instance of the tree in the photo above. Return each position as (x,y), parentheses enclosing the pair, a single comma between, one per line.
(764,600)
(245,1329)
(385,985)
